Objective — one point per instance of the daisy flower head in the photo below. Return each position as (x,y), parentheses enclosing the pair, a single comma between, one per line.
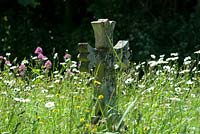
(50,105)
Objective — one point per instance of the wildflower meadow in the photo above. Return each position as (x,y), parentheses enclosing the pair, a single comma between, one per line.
(50,95)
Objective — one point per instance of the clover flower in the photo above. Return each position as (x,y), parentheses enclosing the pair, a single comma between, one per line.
(7,62)
(67,56)
(41,57)
(38,50)
(22,69)
(1,58)
(48,65)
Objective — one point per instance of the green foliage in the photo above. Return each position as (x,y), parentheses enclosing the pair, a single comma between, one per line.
(32,3)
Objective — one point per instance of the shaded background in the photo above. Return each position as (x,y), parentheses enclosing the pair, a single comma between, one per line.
(151,26)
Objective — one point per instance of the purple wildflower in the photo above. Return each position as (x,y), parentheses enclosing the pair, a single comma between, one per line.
(22,69)
(41,56)
(67,56)
(48,65)
(38,50)
(1,58)
(7,62)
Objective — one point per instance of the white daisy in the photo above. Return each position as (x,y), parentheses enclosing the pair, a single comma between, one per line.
(129,81)
(50,105)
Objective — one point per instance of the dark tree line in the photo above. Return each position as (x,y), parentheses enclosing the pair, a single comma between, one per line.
(152,26)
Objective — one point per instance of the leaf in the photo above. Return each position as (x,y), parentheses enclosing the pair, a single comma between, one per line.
(35,71)
(126,112)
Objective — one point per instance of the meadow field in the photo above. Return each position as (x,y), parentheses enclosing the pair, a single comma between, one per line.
(158,96)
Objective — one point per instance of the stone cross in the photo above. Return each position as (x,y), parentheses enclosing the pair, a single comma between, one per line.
(102,59)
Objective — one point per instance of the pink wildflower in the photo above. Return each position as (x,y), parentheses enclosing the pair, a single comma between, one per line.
(1,58)
(67,56)
(38,50)
(48,64)
(41,56)
(22,69)
(7,62)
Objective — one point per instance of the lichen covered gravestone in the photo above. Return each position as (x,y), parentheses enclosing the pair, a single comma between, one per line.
(103,58)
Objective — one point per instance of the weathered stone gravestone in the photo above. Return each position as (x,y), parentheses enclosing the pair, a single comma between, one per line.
(103,58)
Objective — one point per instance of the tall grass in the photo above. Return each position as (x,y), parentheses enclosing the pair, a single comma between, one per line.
(157,96)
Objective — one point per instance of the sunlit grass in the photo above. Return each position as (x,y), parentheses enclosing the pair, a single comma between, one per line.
(158,96)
